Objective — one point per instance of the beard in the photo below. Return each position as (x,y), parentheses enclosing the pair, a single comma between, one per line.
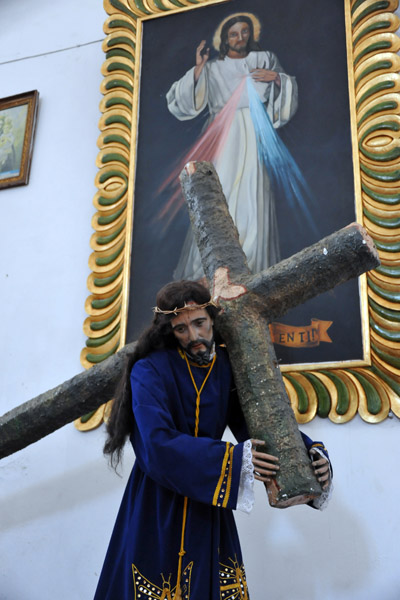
(240,48)
(202,357)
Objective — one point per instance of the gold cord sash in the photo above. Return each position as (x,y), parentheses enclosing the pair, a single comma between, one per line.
(182,552)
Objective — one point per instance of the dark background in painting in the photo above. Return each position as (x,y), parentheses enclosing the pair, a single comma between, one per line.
(308,37)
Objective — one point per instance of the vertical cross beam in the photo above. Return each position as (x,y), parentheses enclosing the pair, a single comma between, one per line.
(244,320)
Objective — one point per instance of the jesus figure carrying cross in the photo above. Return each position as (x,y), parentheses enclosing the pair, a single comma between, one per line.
(175,535)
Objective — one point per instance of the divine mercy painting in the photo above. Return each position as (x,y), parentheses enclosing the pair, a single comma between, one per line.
(259,93)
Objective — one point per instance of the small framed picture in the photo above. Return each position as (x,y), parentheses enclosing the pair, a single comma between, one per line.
(17,127)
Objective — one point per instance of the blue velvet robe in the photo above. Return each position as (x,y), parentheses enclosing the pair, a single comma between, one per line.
(171,464)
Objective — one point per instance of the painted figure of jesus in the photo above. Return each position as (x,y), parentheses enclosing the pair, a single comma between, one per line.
(239,143)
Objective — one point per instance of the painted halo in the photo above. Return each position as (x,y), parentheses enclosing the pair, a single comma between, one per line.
(253,18)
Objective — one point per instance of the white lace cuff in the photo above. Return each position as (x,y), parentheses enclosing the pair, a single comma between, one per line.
(322,502)
(245,499)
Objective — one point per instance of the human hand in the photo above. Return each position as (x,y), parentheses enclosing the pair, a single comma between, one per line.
(201,58)
(321,468)
(266,76)
(265,465)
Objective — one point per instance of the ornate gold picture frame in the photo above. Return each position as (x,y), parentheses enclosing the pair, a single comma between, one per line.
(17,128)
(370,387)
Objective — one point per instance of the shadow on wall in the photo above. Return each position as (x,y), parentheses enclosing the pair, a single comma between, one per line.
(62,493)
(304,554)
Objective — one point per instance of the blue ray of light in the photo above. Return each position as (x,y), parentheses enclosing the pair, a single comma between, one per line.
(280,164)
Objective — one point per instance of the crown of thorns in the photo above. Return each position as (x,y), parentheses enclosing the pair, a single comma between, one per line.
(177,310)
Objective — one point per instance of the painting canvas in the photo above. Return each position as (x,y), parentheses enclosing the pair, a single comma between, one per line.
(17,123)
(312,129)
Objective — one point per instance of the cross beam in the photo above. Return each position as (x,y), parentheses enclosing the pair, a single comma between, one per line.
(31,421)
(249,302)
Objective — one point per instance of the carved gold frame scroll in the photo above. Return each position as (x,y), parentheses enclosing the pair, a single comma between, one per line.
(372,390)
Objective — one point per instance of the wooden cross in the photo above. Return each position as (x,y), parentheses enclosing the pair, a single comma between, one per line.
(249,303)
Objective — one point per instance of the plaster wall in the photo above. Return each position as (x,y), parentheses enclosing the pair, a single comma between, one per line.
(58,499)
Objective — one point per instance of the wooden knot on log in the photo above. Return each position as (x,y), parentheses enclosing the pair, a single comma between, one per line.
(223,288)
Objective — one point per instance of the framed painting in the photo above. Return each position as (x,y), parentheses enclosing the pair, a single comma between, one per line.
(332,111)
(17,127)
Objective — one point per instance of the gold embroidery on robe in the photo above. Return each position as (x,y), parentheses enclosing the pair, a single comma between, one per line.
(232,580)
(223,489)
(144,589)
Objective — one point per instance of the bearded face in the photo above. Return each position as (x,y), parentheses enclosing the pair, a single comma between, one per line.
(238,37)
(194,331)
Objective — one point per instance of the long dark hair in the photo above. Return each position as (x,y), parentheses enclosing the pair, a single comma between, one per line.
(158,336)
(224,46)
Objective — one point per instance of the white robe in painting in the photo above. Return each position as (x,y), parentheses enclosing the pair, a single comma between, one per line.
(243,176)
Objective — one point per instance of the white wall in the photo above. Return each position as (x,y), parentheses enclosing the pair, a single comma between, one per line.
(58,499)
(55,496)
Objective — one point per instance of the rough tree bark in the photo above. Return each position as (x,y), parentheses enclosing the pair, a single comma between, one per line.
(245,299)
(78,396)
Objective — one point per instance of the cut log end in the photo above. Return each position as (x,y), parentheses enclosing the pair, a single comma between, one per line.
(278,500)
(367,239)
(190,167)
